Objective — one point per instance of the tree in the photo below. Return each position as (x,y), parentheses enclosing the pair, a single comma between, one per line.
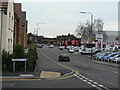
(84,30)
(18,51)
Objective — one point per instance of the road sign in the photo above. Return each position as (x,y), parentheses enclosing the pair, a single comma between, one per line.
(20,60)
(93,39)
(14,60)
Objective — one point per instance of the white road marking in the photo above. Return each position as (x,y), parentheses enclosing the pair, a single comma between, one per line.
(115,72)
(100,85)
(95,82)
(68,73)
(26,75)
(91,82)
(1,77)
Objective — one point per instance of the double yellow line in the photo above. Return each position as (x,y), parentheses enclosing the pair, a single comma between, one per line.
(19,79)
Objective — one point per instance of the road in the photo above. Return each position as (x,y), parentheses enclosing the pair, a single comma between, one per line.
(87,73)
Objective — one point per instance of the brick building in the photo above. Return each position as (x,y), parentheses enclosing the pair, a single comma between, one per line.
(17,23)
(24,25)
(62,39)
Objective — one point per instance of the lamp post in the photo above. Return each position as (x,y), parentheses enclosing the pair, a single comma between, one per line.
(91,27)
(36,32)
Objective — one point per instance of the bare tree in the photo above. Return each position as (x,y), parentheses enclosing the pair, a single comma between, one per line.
(84,30)
(98,25)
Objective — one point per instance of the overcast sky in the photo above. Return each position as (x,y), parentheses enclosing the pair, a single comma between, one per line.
(64,17)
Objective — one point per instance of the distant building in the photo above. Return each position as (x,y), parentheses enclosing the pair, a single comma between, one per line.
(7,25)
(55,41)
(49,40)
(41,39)
(31,37)
(69,38)
(112,38)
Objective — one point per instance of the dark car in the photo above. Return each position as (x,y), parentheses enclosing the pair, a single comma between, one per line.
(64,57)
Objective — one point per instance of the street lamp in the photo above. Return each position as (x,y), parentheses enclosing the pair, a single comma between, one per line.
(91,27)
(36,31)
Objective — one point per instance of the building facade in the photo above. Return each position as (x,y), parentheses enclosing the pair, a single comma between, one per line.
(7,26)
(17,23)
(69,39)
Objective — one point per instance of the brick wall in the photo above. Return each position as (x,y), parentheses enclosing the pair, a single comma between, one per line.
(17,10)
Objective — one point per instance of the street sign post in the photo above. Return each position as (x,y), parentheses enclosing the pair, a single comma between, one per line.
(16,60)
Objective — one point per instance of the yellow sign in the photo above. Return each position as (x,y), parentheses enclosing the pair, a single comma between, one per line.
(93,39)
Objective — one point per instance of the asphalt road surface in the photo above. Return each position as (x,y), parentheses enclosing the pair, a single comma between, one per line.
(80,72)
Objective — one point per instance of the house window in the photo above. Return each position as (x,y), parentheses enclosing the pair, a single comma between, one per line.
(12,17)
(30,38)
(9,19)
(8,44)
(11,40)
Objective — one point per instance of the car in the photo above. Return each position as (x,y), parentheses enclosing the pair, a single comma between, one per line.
(71,51)
(117,60)
(112,58)
(110,55)
(76,49)
(97,55)
(101,56)
(69,47)
(42,44)
(64,57)
(81,50)
(86,51)
(51,46)
(61,47)
(39,46)
(95,51)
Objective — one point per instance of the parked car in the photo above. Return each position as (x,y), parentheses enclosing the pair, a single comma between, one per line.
(64,57)
(117,60)
(95,51)
(81,50)
(112,58)
(39,46)
(69,47)
(71,51)
(51,46)
(86,51)
(100,57)
(76,49)
(97,55)
(61,47)
(108,56)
